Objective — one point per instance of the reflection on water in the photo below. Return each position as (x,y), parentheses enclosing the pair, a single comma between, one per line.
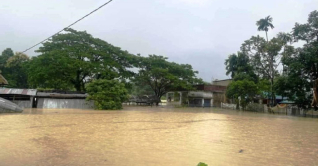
(156,136)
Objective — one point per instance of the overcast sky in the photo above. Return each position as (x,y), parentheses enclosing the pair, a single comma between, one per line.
(198,32)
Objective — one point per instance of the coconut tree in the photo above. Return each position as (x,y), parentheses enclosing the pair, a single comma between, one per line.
(264,24)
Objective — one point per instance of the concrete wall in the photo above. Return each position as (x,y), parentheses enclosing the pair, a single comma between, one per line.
(65,103)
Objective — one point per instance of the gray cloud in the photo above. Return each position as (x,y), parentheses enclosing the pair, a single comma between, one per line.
(198,32)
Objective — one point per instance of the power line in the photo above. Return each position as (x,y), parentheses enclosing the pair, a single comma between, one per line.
(69,25)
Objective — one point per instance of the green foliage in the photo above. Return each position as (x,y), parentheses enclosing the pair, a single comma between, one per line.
(163,76)
(244,84)
(265,23)
(301,64)
(5,55)
(72,59)
(243,90)
(264,86)
(231,65)
(307,32)
(262,54)
(15,71)
(107,94)
(239,67)
(13,68)
(140,90)
(202,164)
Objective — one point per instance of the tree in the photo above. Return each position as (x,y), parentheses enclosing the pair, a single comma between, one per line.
(243,91)
(140,90)
(264,57)
(255,49)
(307,32)
(282,86)
(265,23)
(5,55)
(301,64)
(163,76)
(72,59)
(16,66)
(286,39)
(239,67)
(231,65)
(107,94)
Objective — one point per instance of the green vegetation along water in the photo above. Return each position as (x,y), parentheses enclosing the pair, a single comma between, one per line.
(156,136)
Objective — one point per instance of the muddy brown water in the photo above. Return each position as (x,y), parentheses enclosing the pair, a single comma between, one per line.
(156,136)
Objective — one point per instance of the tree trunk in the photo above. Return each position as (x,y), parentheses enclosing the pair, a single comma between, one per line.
(272,81)
(269,100)
(77,81)
(158,99)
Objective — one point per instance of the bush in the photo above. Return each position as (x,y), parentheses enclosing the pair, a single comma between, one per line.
(107,94)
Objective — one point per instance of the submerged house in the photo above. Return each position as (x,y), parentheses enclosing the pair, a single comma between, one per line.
(24,98)
(202,96)
(200,99)
(63,99)
(32,98)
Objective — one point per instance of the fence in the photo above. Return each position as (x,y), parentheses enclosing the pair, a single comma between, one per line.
(287,109)
(228,106)
(254,107)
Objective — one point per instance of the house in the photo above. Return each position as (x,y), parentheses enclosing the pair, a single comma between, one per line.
(202,96)
(24,98)
(62,100)
(200,99)
(32,98)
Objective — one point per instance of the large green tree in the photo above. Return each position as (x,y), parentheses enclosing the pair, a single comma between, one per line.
(265,57)
(70,60)
(301,63)
(163,76)
(16,68)
(5,55)
(242,91)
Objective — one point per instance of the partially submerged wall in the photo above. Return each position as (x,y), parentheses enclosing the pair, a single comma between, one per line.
(64,103)
(23,103)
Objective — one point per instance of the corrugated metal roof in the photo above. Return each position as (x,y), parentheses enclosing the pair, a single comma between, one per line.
(60,95)
(29,92)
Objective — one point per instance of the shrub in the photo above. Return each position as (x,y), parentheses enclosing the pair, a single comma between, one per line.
(107,94)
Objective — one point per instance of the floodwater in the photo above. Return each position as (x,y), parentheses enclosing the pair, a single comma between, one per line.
(156,136)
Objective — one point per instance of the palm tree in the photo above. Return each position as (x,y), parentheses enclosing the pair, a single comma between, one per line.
(265,23)
(231,65)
